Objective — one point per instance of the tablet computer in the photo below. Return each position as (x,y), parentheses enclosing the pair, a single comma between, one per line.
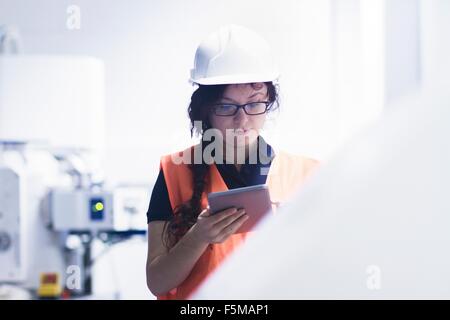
(254,199)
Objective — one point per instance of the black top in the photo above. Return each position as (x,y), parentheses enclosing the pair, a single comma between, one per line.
(160,208)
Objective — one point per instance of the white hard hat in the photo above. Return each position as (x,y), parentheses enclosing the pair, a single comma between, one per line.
(233,54)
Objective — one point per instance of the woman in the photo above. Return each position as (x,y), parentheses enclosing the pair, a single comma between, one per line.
(234,71)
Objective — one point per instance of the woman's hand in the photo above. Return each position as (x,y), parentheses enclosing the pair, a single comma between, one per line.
(218,227)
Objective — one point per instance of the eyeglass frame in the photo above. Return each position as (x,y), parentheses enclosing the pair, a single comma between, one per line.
(242,106)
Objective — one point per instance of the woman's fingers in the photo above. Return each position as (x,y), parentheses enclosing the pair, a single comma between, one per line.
(224,214)
(218,227)
(228,220)
(231,228)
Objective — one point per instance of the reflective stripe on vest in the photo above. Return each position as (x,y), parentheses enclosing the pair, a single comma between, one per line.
(286,174)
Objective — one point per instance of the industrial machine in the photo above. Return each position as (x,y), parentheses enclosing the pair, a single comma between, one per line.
(48,222)
(54,200)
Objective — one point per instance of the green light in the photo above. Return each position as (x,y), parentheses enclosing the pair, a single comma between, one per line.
(99,206)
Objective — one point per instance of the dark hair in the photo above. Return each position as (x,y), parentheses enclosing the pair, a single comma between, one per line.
(186,214)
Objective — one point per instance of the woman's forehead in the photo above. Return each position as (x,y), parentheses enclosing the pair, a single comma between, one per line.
(245,90)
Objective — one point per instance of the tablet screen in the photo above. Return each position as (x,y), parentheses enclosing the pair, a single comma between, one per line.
(254,199)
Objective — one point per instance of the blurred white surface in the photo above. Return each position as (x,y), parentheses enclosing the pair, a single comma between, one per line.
(372,224)
(120,272)
(8,292)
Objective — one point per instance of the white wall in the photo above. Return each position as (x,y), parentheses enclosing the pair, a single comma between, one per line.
(403,43)
(435,49)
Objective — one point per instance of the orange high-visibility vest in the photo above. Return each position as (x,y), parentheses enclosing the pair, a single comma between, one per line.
(287,172)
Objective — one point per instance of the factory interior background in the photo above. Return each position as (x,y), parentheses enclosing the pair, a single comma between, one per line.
(109,79)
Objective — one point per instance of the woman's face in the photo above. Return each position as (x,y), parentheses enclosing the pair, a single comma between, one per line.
(245,127)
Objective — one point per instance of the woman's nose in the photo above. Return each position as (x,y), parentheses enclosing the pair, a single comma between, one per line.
(240,116)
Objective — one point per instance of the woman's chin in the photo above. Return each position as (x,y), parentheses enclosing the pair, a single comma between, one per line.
(242,141)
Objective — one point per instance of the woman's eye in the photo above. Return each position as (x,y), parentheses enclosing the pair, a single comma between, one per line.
(257,105)
(227,107)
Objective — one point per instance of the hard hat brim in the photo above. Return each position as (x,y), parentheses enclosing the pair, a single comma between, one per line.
(236,79)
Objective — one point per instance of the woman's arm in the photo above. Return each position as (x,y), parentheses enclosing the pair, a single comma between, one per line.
(167,269)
